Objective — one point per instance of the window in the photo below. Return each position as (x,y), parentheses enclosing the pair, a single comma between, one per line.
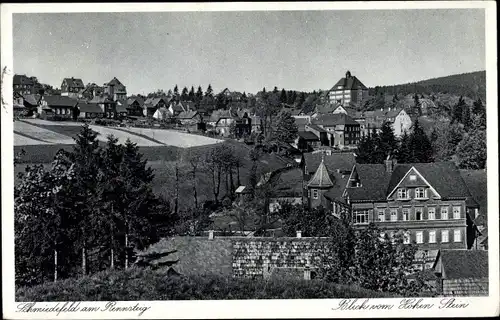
(413,177)
(432,236)
(419,236)
(402,194)
(406,213)
(420,193)
(444,236)
(444,213)
(361,216)
(407,237)
(381,215)
(315,193)
(456,212)
(394,215)
(419,214)
(457,236)
(432,213)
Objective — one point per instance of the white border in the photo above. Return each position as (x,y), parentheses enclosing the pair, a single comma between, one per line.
(486,306)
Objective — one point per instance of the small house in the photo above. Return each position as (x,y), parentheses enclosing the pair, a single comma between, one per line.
(89,110)
(57,108)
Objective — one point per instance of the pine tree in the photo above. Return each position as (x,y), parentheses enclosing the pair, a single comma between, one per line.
(283,97)
(176,91)
(209,93)
(403,154)
(191,95)
(199,94)
(184,94)
(466,117)
(457,110)
(472,151)
(387,142)
(366,150)
(420,145)
(286,128)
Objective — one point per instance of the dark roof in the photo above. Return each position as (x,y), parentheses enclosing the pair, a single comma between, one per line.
(339,182)
(32,98)
(89,107)
(349,83)
(131,100)
(327,108)
(476,182)
(22,79)
(118,86)
(307,135)
(464,264)
(196,255)
(60,101)
(187,115)
(301,123)
(334,119)
(220,114)
(315,127)
(343,161)
(121,106)
(72,82)
(376,183)
(287,183)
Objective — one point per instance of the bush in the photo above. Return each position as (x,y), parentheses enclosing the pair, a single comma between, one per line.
(147,284)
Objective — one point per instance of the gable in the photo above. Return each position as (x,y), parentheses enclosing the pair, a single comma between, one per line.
(413,179)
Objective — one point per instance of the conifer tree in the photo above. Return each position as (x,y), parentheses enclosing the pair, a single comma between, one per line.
(419,144)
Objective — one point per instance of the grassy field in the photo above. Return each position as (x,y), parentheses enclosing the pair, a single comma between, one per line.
(145,284)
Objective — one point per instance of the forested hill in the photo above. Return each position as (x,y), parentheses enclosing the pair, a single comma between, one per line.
(472,85)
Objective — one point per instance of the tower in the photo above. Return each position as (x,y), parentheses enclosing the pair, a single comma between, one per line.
(319,184)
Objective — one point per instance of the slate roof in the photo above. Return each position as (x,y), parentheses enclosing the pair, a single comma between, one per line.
(321,178)
(196,255)
(59,101)
(339,182)
(74,82)
(131,100)
(288,183)
(464,264)
(98,99)
(307,135)
(344,161)
(327,108)
(32,98)
(349,83)
(187,115)
(315,127)
(118,86)
(89,107)
(153,102)
(220,114)
(376,183)
(334,119)
(476,182)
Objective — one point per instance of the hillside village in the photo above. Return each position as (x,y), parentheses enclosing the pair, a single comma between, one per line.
(321,153)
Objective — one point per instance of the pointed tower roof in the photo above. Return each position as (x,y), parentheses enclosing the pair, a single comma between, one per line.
(321,177)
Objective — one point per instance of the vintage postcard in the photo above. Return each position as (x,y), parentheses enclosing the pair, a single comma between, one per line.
(249,160)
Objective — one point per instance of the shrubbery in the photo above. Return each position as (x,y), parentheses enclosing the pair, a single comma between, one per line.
(147,284)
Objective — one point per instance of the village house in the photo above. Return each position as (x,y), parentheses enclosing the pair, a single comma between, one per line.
(189,118)
(135,107)
(176,107)
(428,200)
(243,123)
(342,130)
(221,121)
(72,87)
(23,84)
(107,105)
(306,141)
(400,121)
(115,90)
(57,108)
(89,110)
(92,90)
(151,105)
(347,91)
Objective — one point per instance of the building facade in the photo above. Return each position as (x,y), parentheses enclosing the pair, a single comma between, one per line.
(72,87)
(425,201)
(348,90)
(115,90)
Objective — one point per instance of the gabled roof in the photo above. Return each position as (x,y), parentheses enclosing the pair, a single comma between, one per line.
(220,114)
(343,161)
(321,178)
(153,102)
(59,101)
(308,135)
(464,264)
(187,114)
(327,108)
(74,82)
(376,183)
(334,119)
(349,83)
(119,87)
(32,99)
(315,127)
(89,107)
(288,182)
(131,100)
(121,106)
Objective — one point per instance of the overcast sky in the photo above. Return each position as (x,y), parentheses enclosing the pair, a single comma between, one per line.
(245,51)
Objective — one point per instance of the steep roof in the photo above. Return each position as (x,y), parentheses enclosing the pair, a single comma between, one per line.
(344,161)
(463,264)
(327,108)
(301,123)
(220,114)
(476,182)
(196,255)
(60,101)
(376,183)
(89,107)
(32,98)
(121,106)
(119,87)
(74,82)
(321,178)
(139,100)
(334,119)
(288,182)
(349,83)
(307,135)
(187,115)
(315,127)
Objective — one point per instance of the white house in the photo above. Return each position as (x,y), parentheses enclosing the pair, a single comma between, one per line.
(401,121)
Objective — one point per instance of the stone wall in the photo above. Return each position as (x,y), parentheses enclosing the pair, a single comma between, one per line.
(255,257)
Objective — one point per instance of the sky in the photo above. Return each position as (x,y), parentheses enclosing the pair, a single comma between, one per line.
(246,51)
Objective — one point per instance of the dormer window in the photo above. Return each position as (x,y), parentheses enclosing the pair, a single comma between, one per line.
(403,194)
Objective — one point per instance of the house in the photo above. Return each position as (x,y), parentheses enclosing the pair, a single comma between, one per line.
(135,107)
(161,113)
(189,118)
(243,123)
(23,84)
(306,141)
(301,122)
(462,272)
(89,110)
(121,108)
(115,90)
(176,107)
(108,105)
(72,87)
(427,200)
(347,91)
(57,108)
(287,187)
(319,132)
(342,130)
(151,105)
(29,102)
(256,122)
(92,90)
(221,121)
(399,119)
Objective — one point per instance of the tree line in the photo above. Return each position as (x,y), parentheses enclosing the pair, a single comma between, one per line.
(89,211)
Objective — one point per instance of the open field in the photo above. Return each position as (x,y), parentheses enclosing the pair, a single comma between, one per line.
(41,134)
(174,138)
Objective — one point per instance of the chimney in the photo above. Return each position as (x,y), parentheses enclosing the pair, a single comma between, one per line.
(299,234)
(210,235)
(389,164)
(348,74)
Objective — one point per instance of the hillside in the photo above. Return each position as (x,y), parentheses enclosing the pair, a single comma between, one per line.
(472,85)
